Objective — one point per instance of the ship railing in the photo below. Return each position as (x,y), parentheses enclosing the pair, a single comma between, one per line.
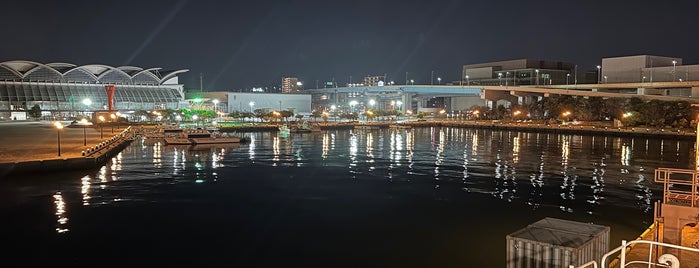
(665,260)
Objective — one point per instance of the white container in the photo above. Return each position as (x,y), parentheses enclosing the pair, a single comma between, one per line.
(556,243)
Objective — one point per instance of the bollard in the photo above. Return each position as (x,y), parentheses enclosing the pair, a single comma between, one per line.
(83,152)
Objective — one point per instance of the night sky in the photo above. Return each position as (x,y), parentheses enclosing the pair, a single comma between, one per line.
(237,45)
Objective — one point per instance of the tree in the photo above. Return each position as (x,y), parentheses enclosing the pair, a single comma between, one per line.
(315,115)
(35,111)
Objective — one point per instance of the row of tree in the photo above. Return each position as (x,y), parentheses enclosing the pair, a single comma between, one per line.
(630,111)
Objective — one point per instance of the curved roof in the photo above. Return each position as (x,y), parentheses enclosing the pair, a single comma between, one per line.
(22,69)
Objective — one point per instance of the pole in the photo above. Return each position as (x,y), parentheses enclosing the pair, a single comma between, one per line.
(58,131)
(406,78)
(201,82)
(101,131)
(84,137)
(431,78)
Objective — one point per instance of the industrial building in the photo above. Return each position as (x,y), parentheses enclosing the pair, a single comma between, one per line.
(519,72)
(646,68)
(228,102)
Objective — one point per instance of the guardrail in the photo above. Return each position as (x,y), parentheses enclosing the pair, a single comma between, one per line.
(664,260)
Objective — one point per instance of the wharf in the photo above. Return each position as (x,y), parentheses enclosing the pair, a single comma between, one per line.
(32,147)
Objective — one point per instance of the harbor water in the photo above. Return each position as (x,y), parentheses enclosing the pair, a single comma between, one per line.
(422,197)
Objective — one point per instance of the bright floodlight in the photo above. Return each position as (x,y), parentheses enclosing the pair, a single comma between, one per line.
(333,107)
(353,103)
(58,125)
(215,101)
(195,117)
(252,103)
(399,103)
(372,102)
(299,83)
(87,102)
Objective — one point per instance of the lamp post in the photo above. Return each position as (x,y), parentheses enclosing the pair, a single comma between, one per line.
(567,78)
(537,76)
(112,125)
(59,126)
(439,80)
(195,117)
(499,79)
(605,79)
(507,74)
(252,103)
(643,79)
(371,103)
(674,63)
(215,101)
(412,82)
(468,82)
(599,74)
(84,121)
(101,127)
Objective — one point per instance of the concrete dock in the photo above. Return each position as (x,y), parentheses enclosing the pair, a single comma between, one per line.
(33,146)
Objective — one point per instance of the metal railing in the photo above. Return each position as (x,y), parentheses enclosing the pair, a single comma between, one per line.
(679,186)
(664,260)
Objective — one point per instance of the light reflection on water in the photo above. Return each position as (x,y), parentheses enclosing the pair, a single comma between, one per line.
(512,166)
(585,177)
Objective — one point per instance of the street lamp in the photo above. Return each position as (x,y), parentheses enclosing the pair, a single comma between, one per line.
(252,103)
(439,80)
(507,74)
(605,79)
(567,77)
(84,122)
(215,101)
(371,103)
(412,82)
(468,82)
(599,74)
(195,117)
(399,103)
(499,79)
(113,117)
(674,63)
(59,126)
(643,79)
(537,76)
(101,126)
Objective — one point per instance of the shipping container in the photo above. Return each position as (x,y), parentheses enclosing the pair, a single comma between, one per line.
(554,242)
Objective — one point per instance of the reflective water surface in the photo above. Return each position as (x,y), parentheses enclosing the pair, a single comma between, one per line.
(424,197)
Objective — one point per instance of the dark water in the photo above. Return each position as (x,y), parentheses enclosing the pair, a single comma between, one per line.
(428,197)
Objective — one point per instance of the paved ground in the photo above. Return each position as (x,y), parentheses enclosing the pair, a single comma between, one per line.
(33,140)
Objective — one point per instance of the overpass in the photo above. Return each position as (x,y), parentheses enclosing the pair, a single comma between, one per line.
(665,91)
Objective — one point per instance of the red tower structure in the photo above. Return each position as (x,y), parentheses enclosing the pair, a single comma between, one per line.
(110,95)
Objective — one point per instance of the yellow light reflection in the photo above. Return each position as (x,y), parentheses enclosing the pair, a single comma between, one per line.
(326,145)
(251,148)
(275,150)
(157,153)
(515,150)
(85,189)
(62,219)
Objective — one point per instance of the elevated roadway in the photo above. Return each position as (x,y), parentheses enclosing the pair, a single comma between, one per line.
(496,92)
